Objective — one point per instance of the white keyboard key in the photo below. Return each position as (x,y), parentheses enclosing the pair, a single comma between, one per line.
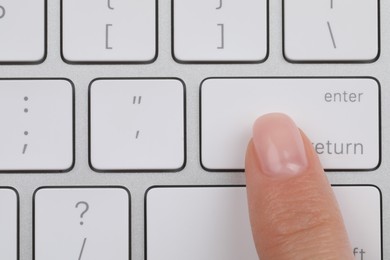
(137,124)
(340,116)
(82,223)
(212,223)
(362,212)
(22,30)
(37,125)
(346,30)
(8,224)
(220,30)
(109,31)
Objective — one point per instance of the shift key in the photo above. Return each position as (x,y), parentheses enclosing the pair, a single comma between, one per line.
(341,116)
(215,223)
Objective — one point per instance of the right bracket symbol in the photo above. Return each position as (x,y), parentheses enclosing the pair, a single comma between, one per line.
(220,5)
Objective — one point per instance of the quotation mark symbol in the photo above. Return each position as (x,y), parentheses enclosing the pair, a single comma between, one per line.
(137,100)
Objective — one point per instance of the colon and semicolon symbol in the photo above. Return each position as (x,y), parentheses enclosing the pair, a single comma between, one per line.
(25,132)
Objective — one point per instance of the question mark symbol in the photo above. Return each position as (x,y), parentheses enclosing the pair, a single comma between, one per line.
(84,211)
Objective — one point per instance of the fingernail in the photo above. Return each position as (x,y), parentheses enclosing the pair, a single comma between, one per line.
(279,146)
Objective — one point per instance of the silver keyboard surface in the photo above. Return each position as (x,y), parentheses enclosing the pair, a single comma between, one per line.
(113,111)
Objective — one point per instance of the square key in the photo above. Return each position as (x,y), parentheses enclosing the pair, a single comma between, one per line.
(331,30)
(346,138)
(37,132)
(119,31)
(8,224)
(88,223)
(22,31)
(137,125)
(212,222)
(220,31)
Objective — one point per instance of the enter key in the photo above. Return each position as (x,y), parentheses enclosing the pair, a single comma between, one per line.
(340,115)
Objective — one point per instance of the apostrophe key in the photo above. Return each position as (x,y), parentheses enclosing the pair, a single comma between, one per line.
(137,125)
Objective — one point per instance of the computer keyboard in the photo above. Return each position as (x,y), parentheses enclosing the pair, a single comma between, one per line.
(124,124)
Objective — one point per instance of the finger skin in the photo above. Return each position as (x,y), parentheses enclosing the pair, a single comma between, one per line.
(296,217)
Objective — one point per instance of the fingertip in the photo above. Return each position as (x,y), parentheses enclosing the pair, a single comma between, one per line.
(292,208)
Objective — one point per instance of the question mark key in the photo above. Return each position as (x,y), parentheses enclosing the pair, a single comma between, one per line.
(90,223)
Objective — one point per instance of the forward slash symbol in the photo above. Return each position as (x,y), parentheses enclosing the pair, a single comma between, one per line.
(137,134)
(82,248)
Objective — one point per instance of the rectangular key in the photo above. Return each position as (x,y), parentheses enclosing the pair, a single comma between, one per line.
(331,30)
(109,31)
(82,223)
(212,223)
(341,116)
(220,30)
(22,30)
(37,125)
(8,224)
(137,124)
